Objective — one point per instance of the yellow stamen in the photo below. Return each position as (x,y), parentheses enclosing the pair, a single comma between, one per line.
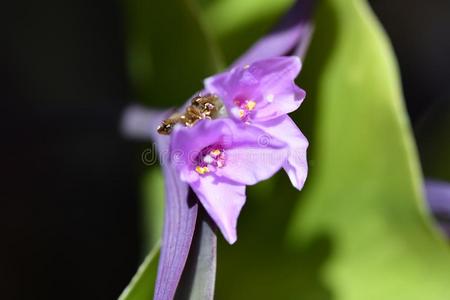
(215,152)
(201,170)
(241,113)
(250,105)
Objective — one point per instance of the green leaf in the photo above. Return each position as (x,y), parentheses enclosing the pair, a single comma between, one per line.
(359,230)
(143,282)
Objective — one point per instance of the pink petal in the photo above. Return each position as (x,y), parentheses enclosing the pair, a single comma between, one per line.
(256,159)
(286,130)
(284,100)
(223,200)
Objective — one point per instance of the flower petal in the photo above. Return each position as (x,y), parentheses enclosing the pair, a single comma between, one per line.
(249,165)
(254,156)
(283,98)
(223,200)
(296,165)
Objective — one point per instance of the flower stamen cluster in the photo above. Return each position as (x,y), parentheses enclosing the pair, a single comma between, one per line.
(209,159)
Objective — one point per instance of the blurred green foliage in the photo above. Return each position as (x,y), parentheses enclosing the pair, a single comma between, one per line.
(359,229)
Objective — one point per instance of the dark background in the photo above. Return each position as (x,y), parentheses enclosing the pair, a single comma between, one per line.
(69,219)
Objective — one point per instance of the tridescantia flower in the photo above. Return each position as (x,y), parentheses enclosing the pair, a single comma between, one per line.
(219,156)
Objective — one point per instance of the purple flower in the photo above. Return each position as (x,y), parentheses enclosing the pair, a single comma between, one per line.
(248,144)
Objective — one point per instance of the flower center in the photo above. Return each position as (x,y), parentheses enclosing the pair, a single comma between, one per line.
(209,159)
(243,109)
